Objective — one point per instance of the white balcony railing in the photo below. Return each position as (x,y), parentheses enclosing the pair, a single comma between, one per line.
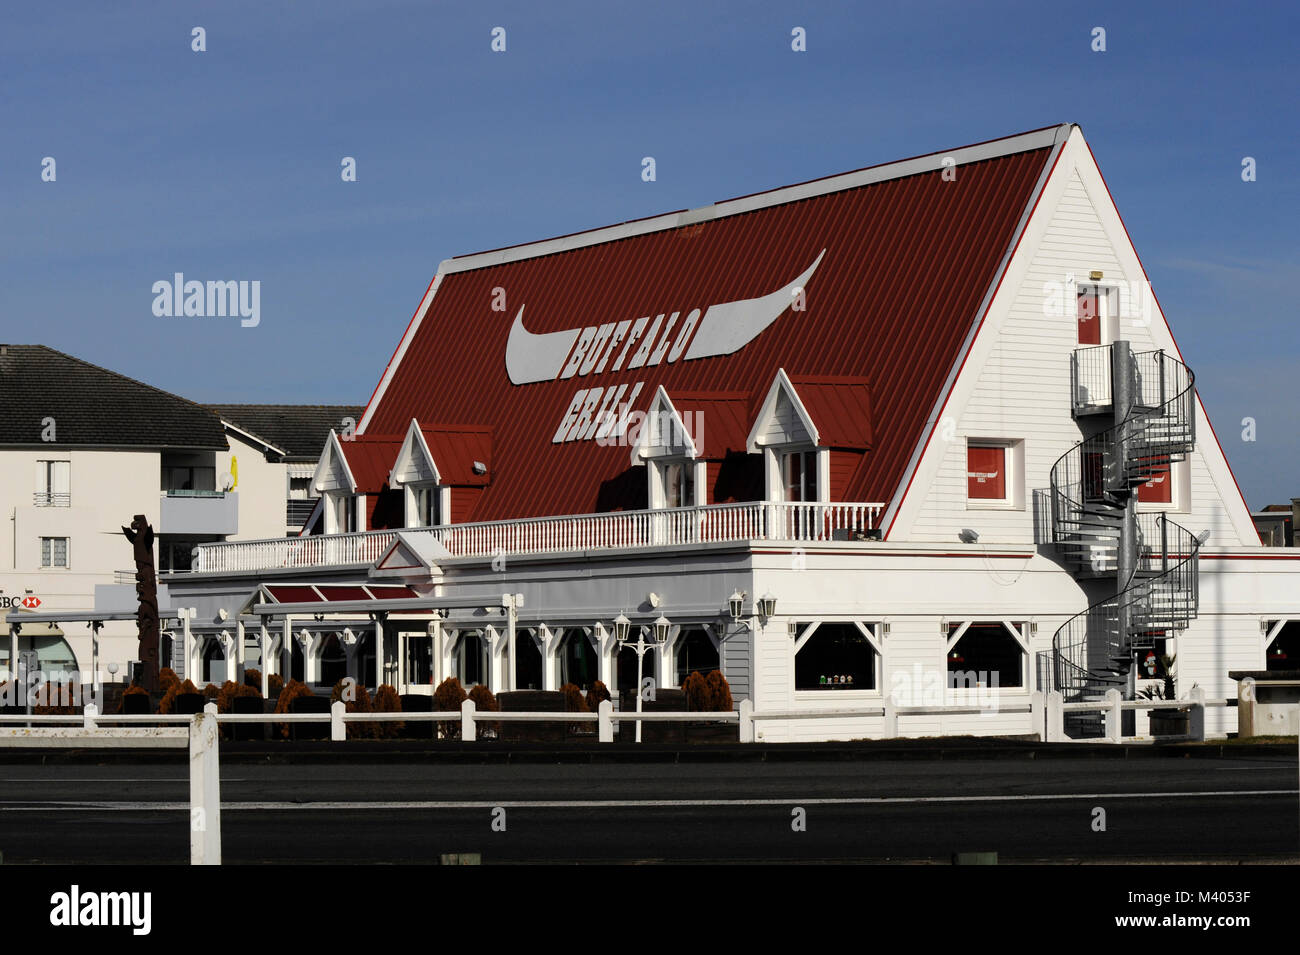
(52,499)
(758,521)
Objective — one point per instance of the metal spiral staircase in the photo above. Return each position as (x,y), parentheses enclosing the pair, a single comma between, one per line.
(1150,400)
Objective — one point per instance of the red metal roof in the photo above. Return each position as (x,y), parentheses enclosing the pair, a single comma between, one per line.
(455,448)
(840,408)
(718,422)
(370,459)
(904,265)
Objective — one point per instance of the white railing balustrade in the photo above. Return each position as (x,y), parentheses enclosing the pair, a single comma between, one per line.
(670,527)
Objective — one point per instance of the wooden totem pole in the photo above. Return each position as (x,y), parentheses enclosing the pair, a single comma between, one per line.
(140,534)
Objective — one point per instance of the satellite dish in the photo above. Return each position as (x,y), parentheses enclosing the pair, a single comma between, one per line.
(227,481)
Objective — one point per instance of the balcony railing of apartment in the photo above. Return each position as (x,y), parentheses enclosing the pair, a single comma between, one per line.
(189,492)
(714,523)
(52,499)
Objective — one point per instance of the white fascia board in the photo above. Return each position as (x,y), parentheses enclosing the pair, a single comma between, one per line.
(249,438)
(412,327)
(414,443)
(643,449)
(1002,289)
(780,383)
(332,450)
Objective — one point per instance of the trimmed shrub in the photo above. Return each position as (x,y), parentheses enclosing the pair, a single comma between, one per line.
(575,703)
(166,678)
(697,692)
(597,695)
(719,692)
(253,678)
(290,693)
(275,684)
(175,689)
(135,691)
(485,702)
(211,692)
(387,701)
(447,698)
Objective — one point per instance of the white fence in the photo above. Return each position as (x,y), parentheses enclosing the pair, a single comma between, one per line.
(200,733)
(665,527)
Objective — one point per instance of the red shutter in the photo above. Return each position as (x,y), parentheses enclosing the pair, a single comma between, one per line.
(986,473)
(1089,320)
(1157,490)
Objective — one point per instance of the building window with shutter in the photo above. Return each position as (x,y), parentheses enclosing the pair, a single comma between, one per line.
(995,473)
(986,473)
(53,483)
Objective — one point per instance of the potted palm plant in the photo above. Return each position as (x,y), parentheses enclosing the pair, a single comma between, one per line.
(1172,720)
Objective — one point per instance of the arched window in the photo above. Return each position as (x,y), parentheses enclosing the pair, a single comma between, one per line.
(695,653)
(214,662)
(577,659)
(469,658)
(333,660)
(834,656)
(1283,651)
(984,655)
(528,660)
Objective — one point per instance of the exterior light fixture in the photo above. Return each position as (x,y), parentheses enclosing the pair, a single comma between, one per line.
(480,467)
(767,605)
(662,624)
(736,604)
(1202,537)
(968,536)
(1095,275)
(622,628)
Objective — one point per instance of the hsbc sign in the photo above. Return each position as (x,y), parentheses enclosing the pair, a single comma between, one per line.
(27,602)
(597,412)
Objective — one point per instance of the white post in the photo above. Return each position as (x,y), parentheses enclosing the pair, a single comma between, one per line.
(891,719)
(1114,709)
(1196,723)
(88,714)
(746,720)
(205,789)
(380,672)
(1055,716)
(337,729)
(467,731)
(238,667)
(265,637)
(605,721)
(187,643)
(286,650)
(1037,712)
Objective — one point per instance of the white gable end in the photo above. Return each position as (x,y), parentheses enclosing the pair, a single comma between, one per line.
(1015,384)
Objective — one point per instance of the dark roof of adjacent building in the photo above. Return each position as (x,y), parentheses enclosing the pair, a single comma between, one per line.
(298,430)
(44,392)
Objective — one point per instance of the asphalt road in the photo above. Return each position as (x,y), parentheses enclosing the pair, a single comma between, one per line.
(1224,810)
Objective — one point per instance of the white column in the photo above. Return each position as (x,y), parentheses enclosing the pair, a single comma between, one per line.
(187,643)
(496,675)
(379,651)
(239,654)
(606,647)
(551,640)
(264,638)
(512,648)
(286,649)
(13,651)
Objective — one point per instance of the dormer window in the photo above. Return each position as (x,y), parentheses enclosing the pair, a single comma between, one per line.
(799,475)
(425,506)
(678,483)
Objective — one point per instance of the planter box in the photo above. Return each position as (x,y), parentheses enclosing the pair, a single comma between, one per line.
(1172,721)
(309,704)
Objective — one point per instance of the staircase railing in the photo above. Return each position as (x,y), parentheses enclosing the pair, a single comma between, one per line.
(1091,485)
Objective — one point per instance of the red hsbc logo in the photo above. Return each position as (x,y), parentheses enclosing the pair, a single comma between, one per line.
(31,602)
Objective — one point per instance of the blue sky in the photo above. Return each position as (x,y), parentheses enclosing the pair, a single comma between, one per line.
(225,164)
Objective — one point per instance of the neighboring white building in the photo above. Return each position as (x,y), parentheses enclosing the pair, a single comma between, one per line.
(84,449)
(916,420)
